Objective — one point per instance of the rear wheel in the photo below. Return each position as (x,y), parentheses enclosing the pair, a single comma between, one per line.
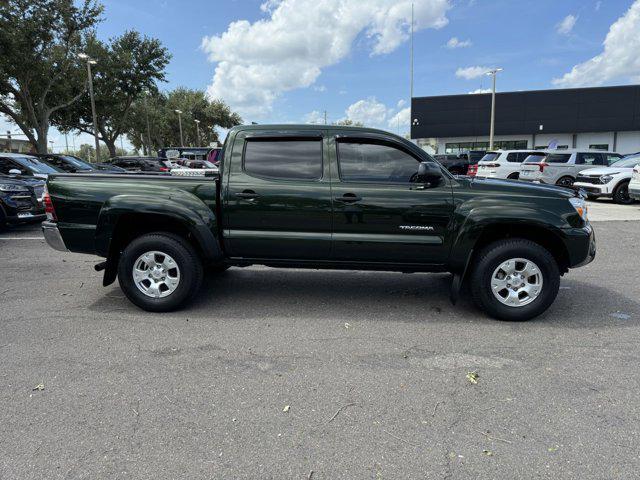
(159,272)
(565,181)
(621,194)
(514,176)
(515,280)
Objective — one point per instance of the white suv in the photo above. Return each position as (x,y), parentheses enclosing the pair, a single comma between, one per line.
(612,181)
(504,163)
(634,185)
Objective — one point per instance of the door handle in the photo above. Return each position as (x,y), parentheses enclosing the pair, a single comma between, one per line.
(349,198)
(247,194)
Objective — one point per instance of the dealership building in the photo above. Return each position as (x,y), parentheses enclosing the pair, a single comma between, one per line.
(606,118)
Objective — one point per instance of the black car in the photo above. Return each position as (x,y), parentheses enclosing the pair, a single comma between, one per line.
(20,200)
(142,164)
(26,165)
(73,164)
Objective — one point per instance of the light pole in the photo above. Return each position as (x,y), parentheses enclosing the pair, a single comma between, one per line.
(179,112)
(146,115)
(493,73)
(90,61)
(51,142)
(197,132)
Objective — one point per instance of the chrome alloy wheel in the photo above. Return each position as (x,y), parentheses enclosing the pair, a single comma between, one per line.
(516,282)
(156,274)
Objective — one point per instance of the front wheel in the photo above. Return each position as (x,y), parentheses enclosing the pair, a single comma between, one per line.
(159,272)
(621,194)
(515,280)
(565,182)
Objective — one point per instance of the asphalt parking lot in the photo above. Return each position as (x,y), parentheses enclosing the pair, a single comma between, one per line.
(323,375)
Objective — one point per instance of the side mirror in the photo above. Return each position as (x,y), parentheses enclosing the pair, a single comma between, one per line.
(429,173)
(15,171)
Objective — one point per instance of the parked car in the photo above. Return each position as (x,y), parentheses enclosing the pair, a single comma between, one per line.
(26,165)
(190,153)
(73,164)
(19,200)
(214,156)
(142,164)
(561,167)
(300,196)
(610,181)
(504,163)
(474,157)
(634,185)
(461,164)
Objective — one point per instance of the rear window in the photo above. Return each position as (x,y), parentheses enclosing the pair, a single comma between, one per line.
(490,157)
(557,158)
(519,157)
(284,159)
(36,166)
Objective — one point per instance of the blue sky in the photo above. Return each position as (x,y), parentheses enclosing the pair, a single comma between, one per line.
(278,70)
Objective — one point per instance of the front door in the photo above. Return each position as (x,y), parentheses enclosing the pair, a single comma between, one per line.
(381,213)
(278,196)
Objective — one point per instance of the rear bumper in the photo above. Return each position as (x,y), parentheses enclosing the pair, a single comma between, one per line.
(581,245)
(53,237)
(32,218)
(634,192)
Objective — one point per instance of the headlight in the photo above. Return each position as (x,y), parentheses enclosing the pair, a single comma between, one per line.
(606,178)
(580,205)
(10,187)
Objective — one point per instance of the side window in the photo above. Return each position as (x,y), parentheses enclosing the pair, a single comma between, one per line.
(5,166)
(588,159)
(283,159)
(512,157)
(373,162)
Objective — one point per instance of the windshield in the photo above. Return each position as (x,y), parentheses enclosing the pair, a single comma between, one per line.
(490,157)
(35,165)
(76,162)
(629,162)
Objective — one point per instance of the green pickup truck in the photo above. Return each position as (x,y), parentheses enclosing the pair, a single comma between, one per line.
(323,197)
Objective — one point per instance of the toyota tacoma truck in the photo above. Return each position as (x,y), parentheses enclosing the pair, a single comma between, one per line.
(323,197)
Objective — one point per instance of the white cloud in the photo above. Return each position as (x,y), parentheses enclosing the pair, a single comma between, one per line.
(469,73)
(369,112)
(314,117)
(400,119)
(455,43)
(257,62)
(619,61)
(320,88)
(480,90)
(566,25)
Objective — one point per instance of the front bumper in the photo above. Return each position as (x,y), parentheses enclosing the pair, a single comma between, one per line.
(634,192)
(581,245)
(53,237)
(592,189)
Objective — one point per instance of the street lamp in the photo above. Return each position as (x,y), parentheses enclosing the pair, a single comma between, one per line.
(90,61)
(197,132)
(179,112)
(493,73)
(51,142)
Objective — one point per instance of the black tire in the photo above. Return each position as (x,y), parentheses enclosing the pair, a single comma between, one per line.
(186,258)
(565,181)
(3,221)
(592,197)
(217,268)
(514,176)
(490,258)
(621,194)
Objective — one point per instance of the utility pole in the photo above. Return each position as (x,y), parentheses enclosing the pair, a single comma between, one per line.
(325,117)
(9,139)
(66,144)
(90,61)
(179,112)
(493,72)
(411,60)
(197,132)
(51,148)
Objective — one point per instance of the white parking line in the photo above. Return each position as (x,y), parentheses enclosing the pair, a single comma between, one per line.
(21,238)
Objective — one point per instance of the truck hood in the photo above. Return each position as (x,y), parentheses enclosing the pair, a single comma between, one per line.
(517,187)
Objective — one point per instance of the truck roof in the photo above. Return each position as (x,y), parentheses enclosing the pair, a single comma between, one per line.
(309,126)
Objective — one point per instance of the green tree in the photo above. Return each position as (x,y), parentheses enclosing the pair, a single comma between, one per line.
(39,71)
(127,66)
(164,128)
(88,153)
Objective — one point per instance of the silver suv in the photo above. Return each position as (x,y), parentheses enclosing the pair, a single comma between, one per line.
(561,167)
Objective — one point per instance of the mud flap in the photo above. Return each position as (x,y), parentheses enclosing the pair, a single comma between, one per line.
(458,280)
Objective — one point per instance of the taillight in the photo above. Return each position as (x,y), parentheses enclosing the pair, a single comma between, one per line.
(491,165)
(473,170)
(48,206)
(164,169)
(542,165)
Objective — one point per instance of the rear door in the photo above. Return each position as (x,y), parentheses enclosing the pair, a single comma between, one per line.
(380,213)
(588,160)
(277,196)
